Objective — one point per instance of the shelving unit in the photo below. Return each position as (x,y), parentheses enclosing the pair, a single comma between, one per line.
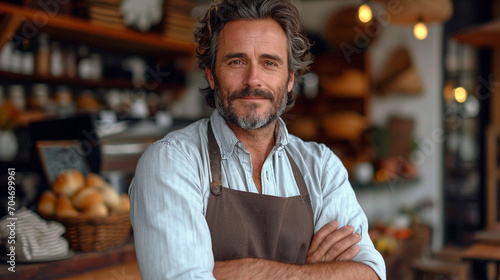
(340,137)
(487,35)
(104,83)
(484,35)
(21,21)
(18,19)
(80,31)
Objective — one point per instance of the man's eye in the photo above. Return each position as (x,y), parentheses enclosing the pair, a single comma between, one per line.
(270,63)
(235,62)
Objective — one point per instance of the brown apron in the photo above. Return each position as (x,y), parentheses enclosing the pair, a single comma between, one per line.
(251,225)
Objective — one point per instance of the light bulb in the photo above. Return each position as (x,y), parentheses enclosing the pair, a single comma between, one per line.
(365,13)
(460,94)
(420,30)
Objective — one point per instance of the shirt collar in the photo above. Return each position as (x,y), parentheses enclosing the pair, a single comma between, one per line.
(227,140)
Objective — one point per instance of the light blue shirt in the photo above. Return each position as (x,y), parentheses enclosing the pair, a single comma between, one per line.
(169,196)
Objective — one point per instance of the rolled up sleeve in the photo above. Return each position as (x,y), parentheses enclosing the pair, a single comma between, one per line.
(172,238)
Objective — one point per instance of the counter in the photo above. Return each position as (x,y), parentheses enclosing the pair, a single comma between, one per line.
(81,262)
(121,151)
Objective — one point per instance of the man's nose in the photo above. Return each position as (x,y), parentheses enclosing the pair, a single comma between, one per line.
(253,77)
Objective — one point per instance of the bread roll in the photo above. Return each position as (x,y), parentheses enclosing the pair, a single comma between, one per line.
(96,210)
(68,182)
(93,180)
(85,197)
(47,204)
(64,208)
(110,196)
(124,203)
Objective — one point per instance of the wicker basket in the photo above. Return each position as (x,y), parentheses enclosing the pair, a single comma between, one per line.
(97,234)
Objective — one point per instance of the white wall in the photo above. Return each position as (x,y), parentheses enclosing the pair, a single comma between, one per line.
(384,203)
(426,110)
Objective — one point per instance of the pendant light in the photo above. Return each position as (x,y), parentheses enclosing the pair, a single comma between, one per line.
(365,14)
(460,94)
(420,29)
(419,13)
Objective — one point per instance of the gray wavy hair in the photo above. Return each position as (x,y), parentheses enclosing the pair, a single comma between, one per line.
(223,11)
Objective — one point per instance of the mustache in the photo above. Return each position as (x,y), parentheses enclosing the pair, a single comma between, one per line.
(247,92)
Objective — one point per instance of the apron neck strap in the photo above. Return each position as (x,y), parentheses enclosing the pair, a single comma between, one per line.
(299,179)
(215,158)
(215,164)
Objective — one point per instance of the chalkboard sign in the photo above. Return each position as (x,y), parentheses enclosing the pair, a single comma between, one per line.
(57,156)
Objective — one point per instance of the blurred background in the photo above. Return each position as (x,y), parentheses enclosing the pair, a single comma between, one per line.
(405,92)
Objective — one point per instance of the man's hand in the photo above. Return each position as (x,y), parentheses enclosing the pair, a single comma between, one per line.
(329,257)
(331,243)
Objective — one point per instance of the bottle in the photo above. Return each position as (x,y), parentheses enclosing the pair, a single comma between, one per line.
(16,95)
(27,58)
(6,57)
(28,63)
(66,106)
(84,66)
(56,61)
(42,63)
(70,62)
(139,107)
(95,66)
(40,97)
(17,62)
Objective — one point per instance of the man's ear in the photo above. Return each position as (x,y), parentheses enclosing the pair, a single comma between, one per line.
(290,81)
(210,78)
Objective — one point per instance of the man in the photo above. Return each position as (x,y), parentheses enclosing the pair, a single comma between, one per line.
(235,196)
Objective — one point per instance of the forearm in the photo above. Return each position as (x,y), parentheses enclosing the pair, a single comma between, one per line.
(265,269)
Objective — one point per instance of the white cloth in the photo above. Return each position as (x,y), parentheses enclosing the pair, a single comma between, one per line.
(141,14)
(170,190)
(35,238)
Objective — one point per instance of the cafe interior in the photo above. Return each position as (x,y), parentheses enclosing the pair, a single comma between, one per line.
(404,92)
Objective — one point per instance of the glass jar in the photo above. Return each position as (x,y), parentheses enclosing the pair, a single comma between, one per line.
(17,97)
(64,100)
(42,63)
(40,97)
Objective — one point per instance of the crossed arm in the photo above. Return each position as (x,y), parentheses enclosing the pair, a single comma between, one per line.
(329,257)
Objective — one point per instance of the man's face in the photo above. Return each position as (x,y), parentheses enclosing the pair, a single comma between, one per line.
(251,73)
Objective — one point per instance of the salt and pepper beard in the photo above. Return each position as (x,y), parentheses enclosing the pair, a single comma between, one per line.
(251,120)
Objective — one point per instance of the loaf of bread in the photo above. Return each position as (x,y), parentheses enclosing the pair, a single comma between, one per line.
(124,203)
(93,180)
(96,210)
(47,204)
(74,195)
(64,208)
(110,196)
(85,197)
(68,182)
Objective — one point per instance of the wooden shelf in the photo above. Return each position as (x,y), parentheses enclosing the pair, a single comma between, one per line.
(400,182)
(483,35)
(103,83)
(77,30)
